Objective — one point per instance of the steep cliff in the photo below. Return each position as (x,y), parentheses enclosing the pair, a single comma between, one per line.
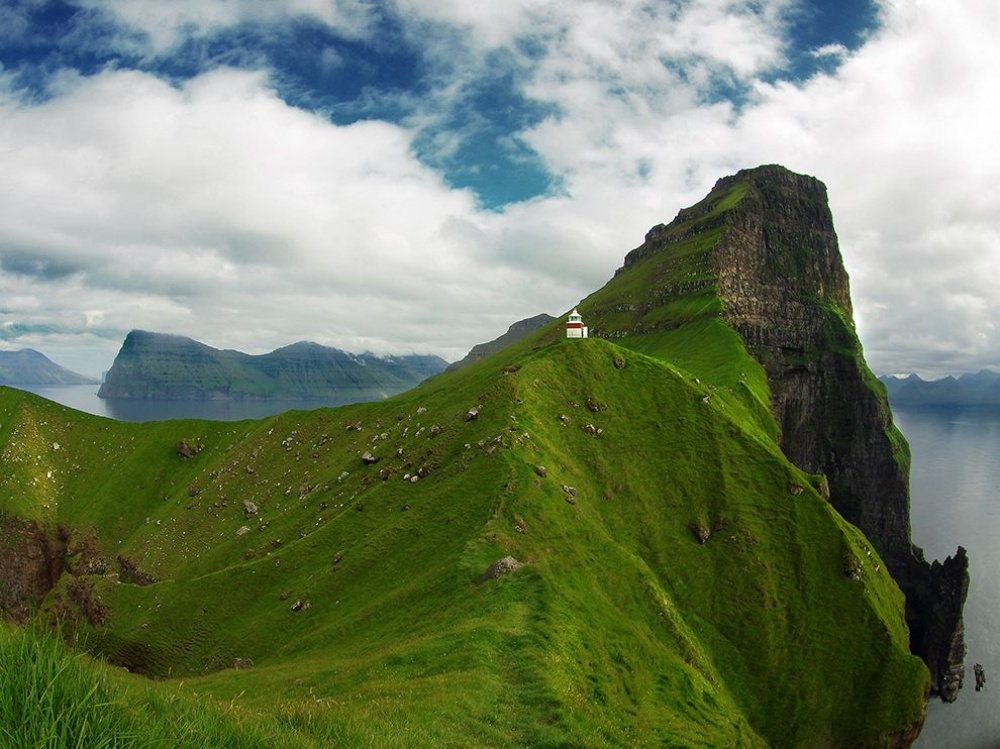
(155,365)
(761,253)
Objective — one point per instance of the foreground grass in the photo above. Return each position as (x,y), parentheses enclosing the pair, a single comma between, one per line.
(53,698)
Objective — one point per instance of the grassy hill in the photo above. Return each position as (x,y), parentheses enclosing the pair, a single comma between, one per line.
(317,578)
(620,628)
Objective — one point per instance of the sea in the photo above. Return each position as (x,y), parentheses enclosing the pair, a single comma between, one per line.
(954,495)
(955,500)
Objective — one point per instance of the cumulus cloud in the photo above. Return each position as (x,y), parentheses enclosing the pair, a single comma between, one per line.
(166,24)
(219,211)
(215,209)
(901,134)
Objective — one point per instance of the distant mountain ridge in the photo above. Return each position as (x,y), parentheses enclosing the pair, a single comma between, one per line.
(979,389)
(161,366)
(514,333)
(30,368)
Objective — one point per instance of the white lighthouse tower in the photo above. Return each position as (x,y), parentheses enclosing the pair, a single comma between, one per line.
(574,325)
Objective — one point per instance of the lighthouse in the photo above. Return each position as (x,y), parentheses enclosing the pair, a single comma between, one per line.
(574,325)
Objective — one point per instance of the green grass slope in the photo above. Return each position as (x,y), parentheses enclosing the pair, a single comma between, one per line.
(682,583)
(620,629)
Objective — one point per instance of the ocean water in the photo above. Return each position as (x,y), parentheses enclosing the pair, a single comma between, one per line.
(955,500)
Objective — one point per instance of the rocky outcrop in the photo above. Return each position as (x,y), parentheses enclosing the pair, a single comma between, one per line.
(514,333)
(155,365)
(30,564)
(777,268)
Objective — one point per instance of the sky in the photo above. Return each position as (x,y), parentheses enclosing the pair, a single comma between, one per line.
(412,176)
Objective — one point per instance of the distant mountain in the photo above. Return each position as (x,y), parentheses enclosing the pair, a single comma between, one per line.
(979,389)
(30,368)
(514,333)
(156,365)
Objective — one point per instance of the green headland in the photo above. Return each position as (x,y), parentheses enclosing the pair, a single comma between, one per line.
(329,578)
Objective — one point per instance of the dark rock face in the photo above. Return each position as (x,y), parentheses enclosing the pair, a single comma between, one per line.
(786,293)
(30,564)
(780,276)
(785,290)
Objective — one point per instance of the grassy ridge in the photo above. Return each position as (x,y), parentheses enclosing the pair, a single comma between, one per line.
(622,628)
(683,583)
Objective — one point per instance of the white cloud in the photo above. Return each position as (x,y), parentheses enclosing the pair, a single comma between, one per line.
(218,211)
(167,23)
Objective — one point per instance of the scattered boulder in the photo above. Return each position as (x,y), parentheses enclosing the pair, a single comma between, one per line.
(242,663)
(301,604)
(852,565)
(369,459)
(249,508)
(186,450)
(472,414)
(700,532)
(591,430)
(619,363)
(243,530)
(541,472)
(569,493)
(500,567)
(193,491)
(338,556)
(823,487)
(130,572)
(795,489)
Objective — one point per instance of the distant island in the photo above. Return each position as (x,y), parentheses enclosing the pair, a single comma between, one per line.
(979,389)
(171,367)
(30,368)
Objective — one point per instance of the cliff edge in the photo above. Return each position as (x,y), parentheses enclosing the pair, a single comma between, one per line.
(765,245)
